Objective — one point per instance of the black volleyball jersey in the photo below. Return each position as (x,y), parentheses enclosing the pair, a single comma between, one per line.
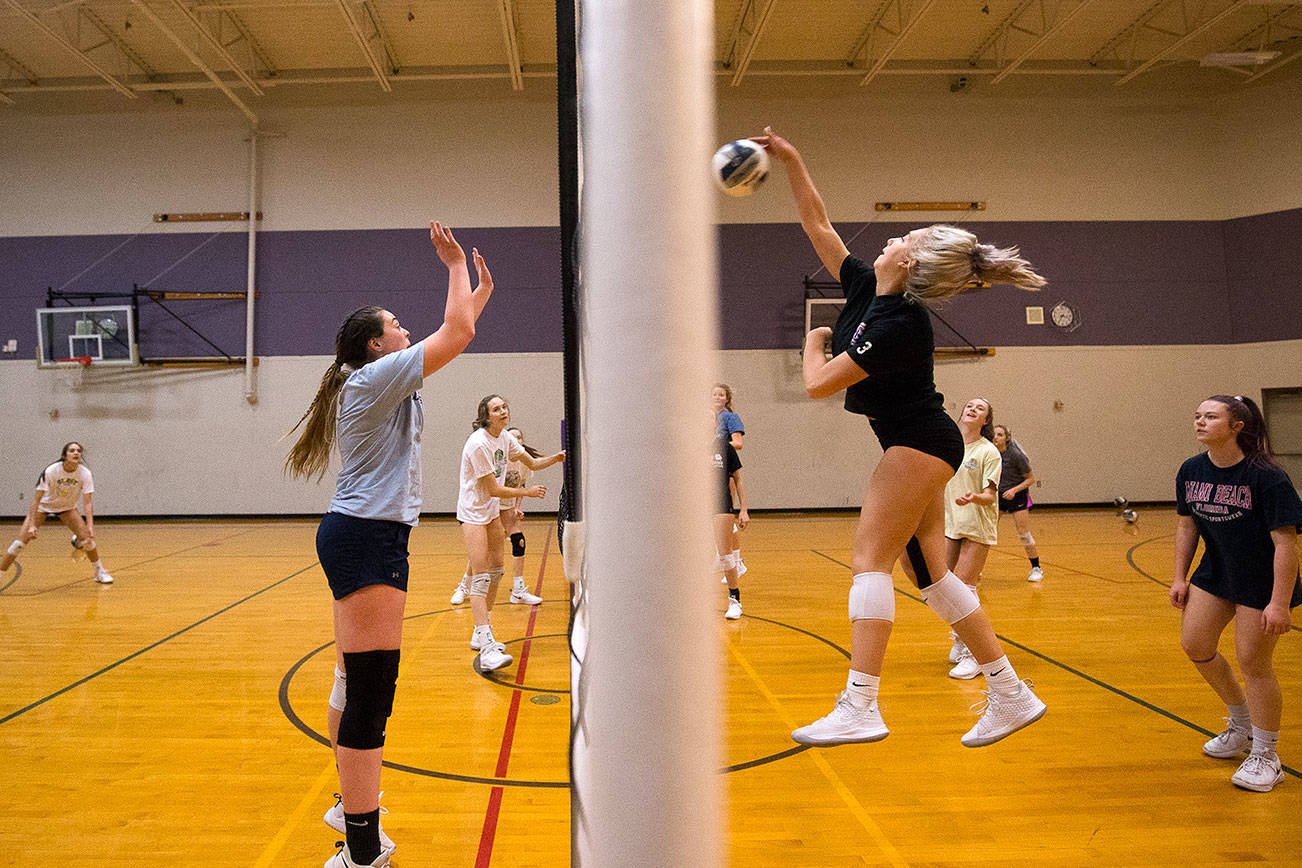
(889,337)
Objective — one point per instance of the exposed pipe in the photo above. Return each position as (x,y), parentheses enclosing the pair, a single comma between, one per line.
(250,390)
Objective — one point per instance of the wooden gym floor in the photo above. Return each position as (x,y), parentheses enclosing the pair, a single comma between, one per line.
(174,718)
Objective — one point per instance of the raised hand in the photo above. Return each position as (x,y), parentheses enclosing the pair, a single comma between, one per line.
(778,147)
(481,269)
(449,251)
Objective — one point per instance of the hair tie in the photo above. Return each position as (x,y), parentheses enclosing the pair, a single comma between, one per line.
(1238,398)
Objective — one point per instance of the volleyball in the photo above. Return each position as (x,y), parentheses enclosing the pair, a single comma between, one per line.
(740,167)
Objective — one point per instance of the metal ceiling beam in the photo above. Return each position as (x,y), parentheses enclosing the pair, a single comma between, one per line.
(905,21)
(1043,19)
(15,65)
(196,60)
(511,37)
(1197,31)
(751,21)
(1269,68)
(216,45)
(71,49)
(364,43)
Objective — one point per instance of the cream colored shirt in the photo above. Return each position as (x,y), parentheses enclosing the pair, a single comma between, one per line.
(980,468)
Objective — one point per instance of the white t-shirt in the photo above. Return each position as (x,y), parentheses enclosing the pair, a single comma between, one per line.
(981,467)
(484,455)
(63,490)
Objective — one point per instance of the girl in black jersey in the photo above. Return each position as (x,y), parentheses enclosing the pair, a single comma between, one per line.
(883,346)
(1247,512)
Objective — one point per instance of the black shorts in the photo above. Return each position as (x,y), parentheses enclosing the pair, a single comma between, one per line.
(1019,502)
(358,552)
(933,433)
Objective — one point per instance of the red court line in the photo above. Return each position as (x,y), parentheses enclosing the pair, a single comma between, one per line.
(508,733)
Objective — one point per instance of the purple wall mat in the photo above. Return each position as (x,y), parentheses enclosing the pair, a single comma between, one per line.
(1133,282)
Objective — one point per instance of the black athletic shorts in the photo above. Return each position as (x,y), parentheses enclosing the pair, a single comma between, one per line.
(358,552)
(933,433)
(1019,502)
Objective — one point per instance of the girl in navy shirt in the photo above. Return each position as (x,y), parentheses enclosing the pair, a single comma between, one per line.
(1247,513)
(882,349)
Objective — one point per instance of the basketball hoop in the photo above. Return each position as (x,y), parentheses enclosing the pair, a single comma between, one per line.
(72,371)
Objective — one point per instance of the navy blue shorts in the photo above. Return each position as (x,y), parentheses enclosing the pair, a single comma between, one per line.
(358,552)
(1019,502)
(933,433)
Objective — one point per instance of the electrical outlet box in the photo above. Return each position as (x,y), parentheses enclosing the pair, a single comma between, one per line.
(11,345)
(1035,315)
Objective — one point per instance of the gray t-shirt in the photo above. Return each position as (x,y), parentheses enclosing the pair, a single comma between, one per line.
(378,433)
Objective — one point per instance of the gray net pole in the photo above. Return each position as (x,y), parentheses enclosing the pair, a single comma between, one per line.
(646,746)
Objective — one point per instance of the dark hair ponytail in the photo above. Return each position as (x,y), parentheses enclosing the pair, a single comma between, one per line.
(1252,436)
(310,456)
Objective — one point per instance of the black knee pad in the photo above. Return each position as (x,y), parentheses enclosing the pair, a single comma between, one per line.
(517,544)
(918,562)
(372,678)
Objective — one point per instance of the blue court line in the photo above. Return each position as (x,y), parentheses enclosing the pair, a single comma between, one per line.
(112,666)
(1091,679)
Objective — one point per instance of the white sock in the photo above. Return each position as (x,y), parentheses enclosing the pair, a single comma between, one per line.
(1264,743)
(1239,715)
(861,688)
(1001,677)
(484,631)
(519,583)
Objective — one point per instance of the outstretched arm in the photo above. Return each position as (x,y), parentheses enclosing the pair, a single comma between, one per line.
(813,213)
(540,463)
(460,311)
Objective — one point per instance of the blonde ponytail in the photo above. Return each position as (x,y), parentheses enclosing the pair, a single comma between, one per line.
(948,260)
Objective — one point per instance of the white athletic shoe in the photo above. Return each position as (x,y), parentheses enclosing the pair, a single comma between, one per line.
(334,818)
(344,859)
(1037,575)
(846,724)
(102,576)
(459,595)
(1259,773)
(1232,741)
(1004,715)
(523,597)
(956,650)
(494,657)
(966,668)
(734,609)
(478,644)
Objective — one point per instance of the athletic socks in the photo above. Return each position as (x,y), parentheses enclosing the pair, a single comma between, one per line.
(363,834)
(735,593)
(517,584)
(1239,714)
(1001,677)
(1035,562)
(861,688)
(1264,743)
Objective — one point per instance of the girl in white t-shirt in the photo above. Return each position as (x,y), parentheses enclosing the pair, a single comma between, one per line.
(484,459)
(61,486)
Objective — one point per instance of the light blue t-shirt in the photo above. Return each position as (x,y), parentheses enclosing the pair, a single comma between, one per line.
(378,434)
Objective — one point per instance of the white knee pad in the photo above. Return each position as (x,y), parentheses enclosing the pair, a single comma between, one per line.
(496,573)
(872,596)
(950,599)
(479,583)
(338,691)
(1027,539)
(16,547)
(722,563)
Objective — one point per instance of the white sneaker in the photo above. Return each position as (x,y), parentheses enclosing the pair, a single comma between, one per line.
(334,818)
(846,724)
(956,650)
(967,666)
(734,609)
(1233,741)
(494,657)
(459,595)
(478,644)
(1037,575)
(523,597)
(1003,716)
(344,859)
(1259,773)
(102,576)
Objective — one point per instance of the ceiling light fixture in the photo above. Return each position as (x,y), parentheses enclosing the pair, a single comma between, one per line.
(1238,58)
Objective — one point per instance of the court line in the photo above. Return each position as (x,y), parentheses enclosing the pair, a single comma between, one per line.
(132,656)
(493,811)
(1091,679)
(856,807)
(300,812)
